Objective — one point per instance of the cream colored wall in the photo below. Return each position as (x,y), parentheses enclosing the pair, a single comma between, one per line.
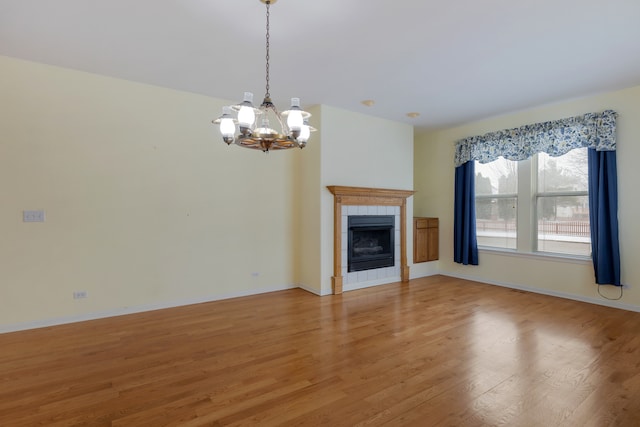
(427,198)
(145,205)
(360,151)
(434,182)
(308,192)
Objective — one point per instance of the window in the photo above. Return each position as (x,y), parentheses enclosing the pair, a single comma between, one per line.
(535,205)
(497,203)
(562,203)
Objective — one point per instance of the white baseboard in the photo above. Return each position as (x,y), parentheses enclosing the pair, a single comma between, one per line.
(606,303)
(424,273)
(312,291)
(135,309)
(159,306)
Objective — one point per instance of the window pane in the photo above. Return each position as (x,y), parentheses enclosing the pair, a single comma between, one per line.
(497,177)
(496,222)
(496,216)
(565,173)
(563,225)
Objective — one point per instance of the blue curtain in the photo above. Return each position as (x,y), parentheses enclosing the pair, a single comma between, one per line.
(603,209)
(465,244)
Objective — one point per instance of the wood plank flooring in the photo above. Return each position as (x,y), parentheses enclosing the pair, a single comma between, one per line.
(437,351)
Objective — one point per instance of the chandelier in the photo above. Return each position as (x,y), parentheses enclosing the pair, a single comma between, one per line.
(242,129)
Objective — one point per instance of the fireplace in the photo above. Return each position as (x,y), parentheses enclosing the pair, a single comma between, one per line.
(370,242)
(349,201)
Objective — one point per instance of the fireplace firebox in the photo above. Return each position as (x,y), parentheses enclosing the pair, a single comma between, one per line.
(370,242)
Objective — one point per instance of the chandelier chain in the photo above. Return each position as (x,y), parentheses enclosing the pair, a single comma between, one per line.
(267,94)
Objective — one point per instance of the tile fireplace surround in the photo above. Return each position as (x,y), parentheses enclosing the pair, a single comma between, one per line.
(362,196)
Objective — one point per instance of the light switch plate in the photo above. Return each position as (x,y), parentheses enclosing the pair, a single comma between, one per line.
(33,216)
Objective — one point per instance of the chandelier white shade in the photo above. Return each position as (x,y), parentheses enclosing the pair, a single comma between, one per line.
(251,127)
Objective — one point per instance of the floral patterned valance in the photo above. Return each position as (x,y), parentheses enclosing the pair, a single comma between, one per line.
(558,137)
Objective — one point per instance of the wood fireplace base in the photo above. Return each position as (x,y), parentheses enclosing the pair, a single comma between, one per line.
(366,197)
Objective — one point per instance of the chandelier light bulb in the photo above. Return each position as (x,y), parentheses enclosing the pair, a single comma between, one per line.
(227,127)
(265,128)
(294,118)
(305,132)
(246,115)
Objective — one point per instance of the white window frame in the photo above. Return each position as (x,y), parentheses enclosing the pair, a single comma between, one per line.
(526,216)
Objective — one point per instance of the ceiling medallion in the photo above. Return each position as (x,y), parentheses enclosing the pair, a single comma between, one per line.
(241,128)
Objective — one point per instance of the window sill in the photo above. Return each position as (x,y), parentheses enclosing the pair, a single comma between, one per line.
(572,259)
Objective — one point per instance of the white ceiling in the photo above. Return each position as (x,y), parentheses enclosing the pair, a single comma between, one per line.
(450,60)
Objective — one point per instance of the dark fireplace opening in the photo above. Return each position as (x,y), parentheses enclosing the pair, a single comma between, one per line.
(371,242)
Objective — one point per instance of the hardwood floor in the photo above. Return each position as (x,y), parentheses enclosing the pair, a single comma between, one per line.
(437,351)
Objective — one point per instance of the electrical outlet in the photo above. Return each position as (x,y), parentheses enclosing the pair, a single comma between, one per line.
(255,274)
(80,294)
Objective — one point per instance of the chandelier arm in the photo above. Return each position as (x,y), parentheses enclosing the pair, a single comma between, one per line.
(283,124)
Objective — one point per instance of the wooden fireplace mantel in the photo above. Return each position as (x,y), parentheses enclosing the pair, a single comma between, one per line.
(363,196)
